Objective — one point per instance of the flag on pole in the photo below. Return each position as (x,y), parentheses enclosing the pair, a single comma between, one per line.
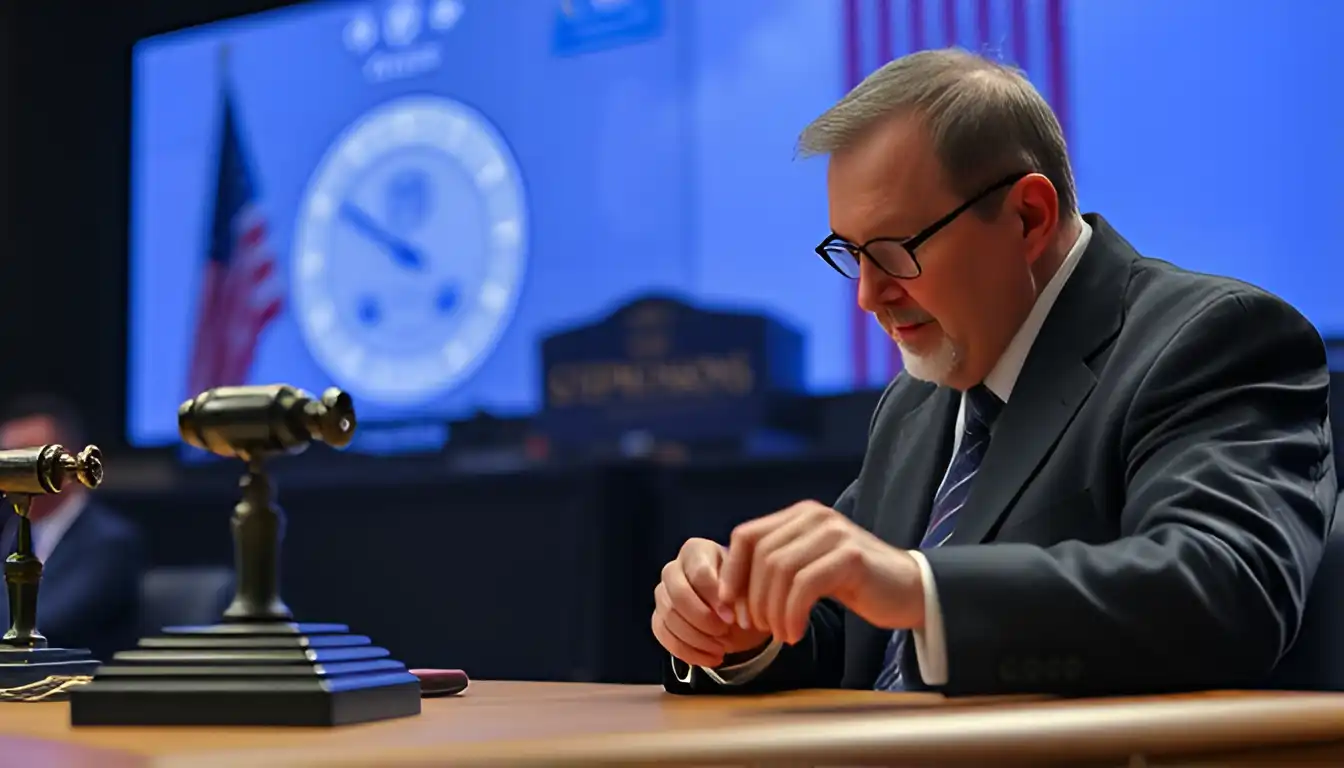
(240,292)
(1028,34)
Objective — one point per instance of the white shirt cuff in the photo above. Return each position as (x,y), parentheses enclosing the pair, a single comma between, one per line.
(737,674)
(930,642)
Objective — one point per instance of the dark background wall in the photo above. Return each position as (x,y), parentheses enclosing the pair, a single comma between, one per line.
(64,133)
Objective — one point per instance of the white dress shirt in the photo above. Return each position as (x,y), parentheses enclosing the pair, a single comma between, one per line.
(48,531)
(930,643)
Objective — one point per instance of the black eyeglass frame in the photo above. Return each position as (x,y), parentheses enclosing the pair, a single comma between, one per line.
(914,241)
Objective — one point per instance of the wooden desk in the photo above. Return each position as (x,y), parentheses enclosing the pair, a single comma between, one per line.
(519,724)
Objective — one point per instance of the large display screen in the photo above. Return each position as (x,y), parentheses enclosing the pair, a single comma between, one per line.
(402,197)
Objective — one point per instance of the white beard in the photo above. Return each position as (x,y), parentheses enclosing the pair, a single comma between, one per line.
(935,367)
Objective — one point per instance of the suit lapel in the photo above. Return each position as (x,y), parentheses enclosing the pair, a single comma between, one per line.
(922,450)
(9,536)
(1054,383)
(65,546)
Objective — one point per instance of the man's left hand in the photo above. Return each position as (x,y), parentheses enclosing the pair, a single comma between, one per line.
(779,566)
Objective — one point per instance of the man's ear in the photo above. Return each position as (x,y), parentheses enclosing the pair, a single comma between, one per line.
(1037,205)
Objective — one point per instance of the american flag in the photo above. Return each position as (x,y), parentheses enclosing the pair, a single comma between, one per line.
(240,287)
(1029,34)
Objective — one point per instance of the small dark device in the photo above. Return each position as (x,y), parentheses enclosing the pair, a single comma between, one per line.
(441,682)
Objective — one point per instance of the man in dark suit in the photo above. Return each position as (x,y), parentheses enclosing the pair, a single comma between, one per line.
(92,559)
(1098,473)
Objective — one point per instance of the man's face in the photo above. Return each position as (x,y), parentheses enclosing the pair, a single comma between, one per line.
(28,432)
(32,432)
(975,288)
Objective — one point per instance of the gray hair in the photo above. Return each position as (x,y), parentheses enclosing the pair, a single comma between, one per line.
(985,119)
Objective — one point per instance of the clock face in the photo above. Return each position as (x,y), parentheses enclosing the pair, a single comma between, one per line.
(409,250)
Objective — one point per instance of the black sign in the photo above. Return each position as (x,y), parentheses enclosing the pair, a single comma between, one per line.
(664,367)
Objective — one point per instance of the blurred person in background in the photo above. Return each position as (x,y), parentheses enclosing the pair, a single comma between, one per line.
(93,559)
(1097,474)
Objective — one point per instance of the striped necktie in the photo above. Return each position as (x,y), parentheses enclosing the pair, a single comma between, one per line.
(982,408)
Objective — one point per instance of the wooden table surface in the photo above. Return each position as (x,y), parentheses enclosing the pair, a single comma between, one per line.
(519,724)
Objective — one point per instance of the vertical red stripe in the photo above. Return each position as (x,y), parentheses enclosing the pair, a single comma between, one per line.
(884,30)
(205,359)
(1058,55)
(916,25)
(983,26)
(950,23)
(853,74)
(236,294)
(918,42)
(886,52)
(853,45)
(1021,43)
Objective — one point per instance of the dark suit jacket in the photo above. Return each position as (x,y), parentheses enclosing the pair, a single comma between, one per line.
(90,591)
(1149,515)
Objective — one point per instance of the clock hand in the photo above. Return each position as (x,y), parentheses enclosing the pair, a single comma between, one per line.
(401,251)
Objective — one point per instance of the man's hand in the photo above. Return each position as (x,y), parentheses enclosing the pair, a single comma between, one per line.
(780,565)
(688,619)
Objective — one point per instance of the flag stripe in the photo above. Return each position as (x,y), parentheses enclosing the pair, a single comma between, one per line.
(853,48)
(983,26)
(240,288)
(918,27)
(1021,42)
(889,353)
(1036,45)
(1059,65)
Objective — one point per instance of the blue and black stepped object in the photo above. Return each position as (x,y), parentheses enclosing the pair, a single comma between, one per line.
(25,658)
(257,665)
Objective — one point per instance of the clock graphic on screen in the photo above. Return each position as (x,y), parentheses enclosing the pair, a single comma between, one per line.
(409,250)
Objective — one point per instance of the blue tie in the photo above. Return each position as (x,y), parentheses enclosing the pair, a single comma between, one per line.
(982,407)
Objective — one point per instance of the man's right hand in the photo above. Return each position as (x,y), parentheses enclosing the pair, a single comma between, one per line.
(687,617)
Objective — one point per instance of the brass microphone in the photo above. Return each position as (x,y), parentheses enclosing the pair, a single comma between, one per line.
(25,473)
(48,469)
(256,421)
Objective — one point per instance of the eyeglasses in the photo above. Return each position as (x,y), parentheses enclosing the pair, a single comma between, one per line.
(896,256)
